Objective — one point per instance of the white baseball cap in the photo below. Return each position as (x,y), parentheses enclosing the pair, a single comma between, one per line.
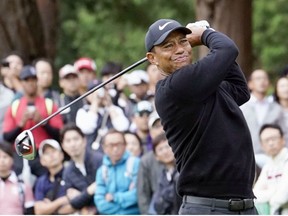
(51,142)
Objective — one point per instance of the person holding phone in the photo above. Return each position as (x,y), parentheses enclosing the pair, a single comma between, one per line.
(29,110)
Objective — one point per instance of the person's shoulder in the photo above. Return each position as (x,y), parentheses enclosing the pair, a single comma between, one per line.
(148,159)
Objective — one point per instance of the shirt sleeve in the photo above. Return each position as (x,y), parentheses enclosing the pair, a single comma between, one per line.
(86,121)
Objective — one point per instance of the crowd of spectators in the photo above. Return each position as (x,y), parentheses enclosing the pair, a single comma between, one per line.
(107,153)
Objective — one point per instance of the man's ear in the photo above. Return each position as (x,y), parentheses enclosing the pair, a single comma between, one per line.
(151,58)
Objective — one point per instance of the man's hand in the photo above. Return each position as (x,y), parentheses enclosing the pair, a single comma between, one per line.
(109,197)
(197,29)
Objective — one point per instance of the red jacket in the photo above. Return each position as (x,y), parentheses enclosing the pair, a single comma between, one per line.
(13,117)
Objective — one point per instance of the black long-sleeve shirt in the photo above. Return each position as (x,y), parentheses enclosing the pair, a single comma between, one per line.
(199,109)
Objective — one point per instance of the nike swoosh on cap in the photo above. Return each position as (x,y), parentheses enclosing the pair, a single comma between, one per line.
(164,25)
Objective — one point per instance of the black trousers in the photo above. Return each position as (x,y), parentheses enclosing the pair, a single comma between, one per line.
(197,209)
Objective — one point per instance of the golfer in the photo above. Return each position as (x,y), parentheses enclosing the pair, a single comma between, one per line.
(198,104)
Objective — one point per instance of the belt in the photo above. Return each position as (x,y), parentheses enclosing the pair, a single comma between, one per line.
(231,204)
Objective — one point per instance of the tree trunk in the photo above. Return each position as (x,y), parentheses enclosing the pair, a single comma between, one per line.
(234,18)
(22,29)
(48,10)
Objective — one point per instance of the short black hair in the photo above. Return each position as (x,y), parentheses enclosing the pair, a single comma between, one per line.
(7,148)
(112,131)
(275,126)
(158,139)
(68,127)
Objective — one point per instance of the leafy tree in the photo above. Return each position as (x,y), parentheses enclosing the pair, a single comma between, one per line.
(112,30)
(269,39)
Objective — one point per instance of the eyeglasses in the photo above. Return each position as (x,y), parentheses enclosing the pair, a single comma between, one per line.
(272,139)
(113,145)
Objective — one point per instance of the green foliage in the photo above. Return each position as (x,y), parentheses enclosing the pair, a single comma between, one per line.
(269,35)
(112,30)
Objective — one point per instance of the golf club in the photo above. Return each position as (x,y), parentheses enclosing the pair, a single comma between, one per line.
(24,143)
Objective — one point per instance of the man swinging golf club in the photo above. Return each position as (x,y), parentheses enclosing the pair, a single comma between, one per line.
(198,105)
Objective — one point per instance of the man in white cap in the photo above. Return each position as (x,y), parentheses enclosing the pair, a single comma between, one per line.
(49,188)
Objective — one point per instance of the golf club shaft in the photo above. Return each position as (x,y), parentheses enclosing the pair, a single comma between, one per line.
(89,92)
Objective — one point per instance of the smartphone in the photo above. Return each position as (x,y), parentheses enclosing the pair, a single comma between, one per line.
(5,63)
(31,107)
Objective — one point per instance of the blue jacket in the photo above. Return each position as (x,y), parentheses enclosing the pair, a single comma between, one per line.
(117,180)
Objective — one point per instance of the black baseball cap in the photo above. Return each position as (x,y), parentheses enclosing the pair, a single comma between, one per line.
(27,72)
(159,31)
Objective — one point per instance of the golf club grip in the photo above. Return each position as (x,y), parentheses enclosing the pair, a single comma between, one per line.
(89,92)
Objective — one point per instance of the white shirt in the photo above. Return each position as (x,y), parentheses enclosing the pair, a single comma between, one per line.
(261,108)
(272,184)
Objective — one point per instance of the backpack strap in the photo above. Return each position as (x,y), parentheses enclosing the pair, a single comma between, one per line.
(105,173)
(14,107)
(49,106)
(129,167)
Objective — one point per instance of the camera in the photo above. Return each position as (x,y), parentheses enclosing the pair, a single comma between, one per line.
(5,63)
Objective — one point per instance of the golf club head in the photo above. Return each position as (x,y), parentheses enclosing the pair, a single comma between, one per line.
(25,145)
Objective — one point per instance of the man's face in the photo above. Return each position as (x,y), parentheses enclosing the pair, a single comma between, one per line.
(171,55)
(44,74)
(272,142)
(114,146)
(70,84)
(6,163)
(30,86)
(85,76)
(259,82)
(74,144)
(164,152)
(51,157)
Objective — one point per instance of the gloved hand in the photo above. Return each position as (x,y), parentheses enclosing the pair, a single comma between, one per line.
(197,29)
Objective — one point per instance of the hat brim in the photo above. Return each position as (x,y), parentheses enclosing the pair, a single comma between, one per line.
(165,35)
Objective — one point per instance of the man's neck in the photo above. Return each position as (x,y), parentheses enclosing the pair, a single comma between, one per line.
(284,103)
(54,171)
(5,174)
(259,96)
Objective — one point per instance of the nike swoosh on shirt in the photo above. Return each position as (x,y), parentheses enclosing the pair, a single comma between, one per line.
(163,26)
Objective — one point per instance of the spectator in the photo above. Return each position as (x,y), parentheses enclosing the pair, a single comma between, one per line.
(16,197)
(116,191)
(6,97)
(99,115)
(150,169)
(79,175)
(49,188)
(13,66)
(44,72)
(155,126)
(271,187)
(133,144)
(281,97)
(260,110)
(86,68)
(69,82)
(27,111)
(165,199)
(138,83)
(139,123)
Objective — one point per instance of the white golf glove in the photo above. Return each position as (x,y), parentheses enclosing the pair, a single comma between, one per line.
(201,23)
